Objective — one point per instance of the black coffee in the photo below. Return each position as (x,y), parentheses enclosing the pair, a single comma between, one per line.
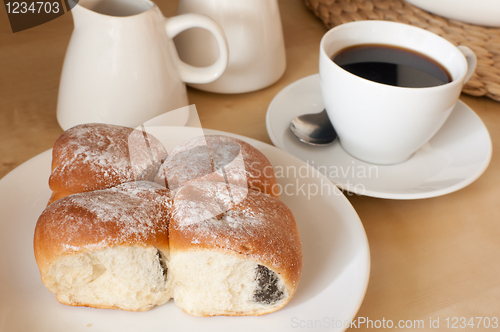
(392,65)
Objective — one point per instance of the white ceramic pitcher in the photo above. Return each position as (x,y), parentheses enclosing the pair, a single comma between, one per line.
(256,45)
(121,65)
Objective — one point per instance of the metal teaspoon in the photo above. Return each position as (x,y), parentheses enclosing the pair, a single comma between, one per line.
(314,129)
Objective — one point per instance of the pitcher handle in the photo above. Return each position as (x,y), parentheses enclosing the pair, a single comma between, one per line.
(201,75)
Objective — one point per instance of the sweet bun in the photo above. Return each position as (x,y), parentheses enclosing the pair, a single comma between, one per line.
(233,251)
(211,233)
(98,156)
(218,158)
(107,248)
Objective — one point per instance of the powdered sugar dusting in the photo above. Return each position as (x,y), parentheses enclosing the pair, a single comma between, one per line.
(221,159)
(190,144)
(204,201)
(129,213)
(255,225)
(109,154)
(185,166)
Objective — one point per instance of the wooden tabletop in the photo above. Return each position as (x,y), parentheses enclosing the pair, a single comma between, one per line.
(436,257)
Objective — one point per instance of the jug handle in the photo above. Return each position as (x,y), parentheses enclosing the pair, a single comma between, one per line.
(202,75)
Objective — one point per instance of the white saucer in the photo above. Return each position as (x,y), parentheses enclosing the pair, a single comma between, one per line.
(455,157)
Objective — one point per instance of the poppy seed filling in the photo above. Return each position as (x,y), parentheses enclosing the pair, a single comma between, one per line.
(268,290)
(163,265)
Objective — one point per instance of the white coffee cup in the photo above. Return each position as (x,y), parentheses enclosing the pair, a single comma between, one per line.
(386,124)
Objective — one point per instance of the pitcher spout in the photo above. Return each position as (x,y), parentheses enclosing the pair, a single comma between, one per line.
(90,9)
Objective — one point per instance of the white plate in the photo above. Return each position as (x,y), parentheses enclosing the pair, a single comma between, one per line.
(333,284)
(480,12)
(456,156)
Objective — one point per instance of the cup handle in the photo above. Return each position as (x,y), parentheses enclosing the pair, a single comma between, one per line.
(191,74)
(471,59)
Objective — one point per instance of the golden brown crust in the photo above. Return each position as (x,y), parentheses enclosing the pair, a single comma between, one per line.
(135,213)
(203,158)
(97,204)
(97,156)
(238,221)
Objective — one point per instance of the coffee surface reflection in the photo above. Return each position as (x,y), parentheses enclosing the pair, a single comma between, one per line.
(392,66)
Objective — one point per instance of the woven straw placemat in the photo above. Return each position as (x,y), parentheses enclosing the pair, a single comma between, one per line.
(484,41)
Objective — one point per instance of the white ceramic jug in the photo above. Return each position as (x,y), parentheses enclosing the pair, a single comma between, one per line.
(121,65)
(255,36)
